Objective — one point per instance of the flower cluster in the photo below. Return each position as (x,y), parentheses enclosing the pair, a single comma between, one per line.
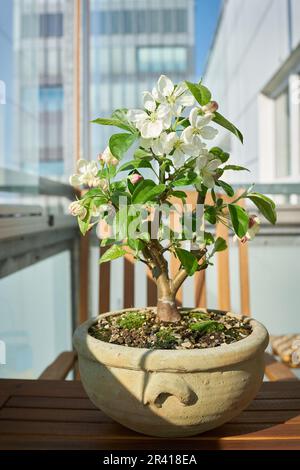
(158,122)
(172,136)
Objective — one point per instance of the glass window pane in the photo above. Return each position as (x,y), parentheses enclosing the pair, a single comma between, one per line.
(51,24)
(35,324)
(162,59)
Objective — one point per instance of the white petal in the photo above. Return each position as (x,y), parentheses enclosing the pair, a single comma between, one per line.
(202,121)
(168,142)
(208,180)
(74,180)
(189,150)
(180,89)
(93,167)
(208,132)
(193,116)
(136,115)
(151,129)
(178,158)
(149,101)
(177,109)
(187,135)
(157,95)
(82,165)
(213,164)
(145,143)
(165,86)
(163,110)
(201,162)
(186,100)
(157,147)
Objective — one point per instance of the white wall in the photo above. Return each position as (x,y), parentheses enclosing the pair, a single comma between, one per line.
(251,45)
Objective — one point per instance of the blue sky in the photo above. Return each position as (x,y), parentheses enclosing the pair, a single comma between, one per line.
(207,13)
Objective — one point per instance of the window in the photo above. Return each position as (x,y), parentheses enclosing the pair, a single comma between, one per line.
(282,135)
(51,24)
(43,25)
(162,58)
(51,129)
(29,26)
(150,21)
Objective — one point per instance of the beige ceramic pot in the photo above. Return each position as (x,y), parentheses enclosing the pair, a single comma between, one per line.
(171,392)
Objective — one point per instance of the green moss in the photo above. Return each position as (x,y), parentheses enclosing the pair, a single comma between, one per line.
(165,339)
(131,320)
(208,326)
(200,315)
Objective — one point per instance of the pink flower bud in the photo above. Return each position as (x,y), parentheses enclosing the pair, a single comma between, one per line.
(135,178)
(254,226)
(210,107)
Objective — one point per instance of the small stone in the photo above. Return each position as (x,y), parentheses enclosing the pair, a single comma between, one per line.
(186,345)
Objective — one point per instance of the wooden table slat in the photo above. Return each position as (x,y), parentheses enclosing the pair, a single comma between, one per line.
(58,415)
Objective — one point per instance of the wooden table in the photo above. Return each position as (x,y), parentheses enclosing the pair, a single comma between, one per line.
(54,414)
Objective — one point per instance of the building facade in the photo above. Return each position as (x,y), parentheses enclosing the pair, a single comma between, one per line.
(125,46)
(253,69)
(43,85)
(132,42)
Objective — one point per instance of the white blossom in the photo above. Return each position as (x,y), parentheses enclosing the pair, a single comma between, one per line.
(87,175)
(172,98)
(77,210)
(206,165)
(198,128)
(151,122)
(164,144)
(183,150)
(108,158)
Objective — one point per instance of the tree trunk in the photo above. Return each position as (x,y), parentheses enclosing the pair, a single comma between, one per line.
(167,311)
(166,304)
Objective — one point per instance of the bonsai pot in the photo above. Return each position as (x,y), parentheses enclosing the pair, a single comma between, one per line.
(171,393)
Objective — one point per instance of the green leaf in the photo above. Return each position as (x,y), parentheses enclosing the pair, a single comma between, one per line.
(188,260)
(235,168)
(117,194)
(179,194)
(114,252)
(120,143)
(222,121)
(186,180)
(84,224)
(141,153)
(135,164)
(93,193)
(227,188)
(146,191)
(239,219)
(112,122)
(208,238)
(220,154)
(200,92)
(220,244)
(210,214)
(265,205)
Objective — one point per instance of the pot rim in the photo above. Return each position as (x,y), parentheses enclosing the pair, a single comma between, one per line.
(178,360)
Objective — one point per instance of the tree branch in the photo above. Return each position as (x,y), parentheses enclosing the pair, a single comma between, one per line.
(179,280)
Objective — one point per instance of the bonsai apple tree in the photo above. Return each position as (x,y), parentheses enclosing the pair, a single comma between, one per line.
(170,139)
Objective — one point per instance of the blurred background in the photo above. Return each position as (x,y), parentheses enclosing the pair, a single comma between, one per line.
(66,62)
